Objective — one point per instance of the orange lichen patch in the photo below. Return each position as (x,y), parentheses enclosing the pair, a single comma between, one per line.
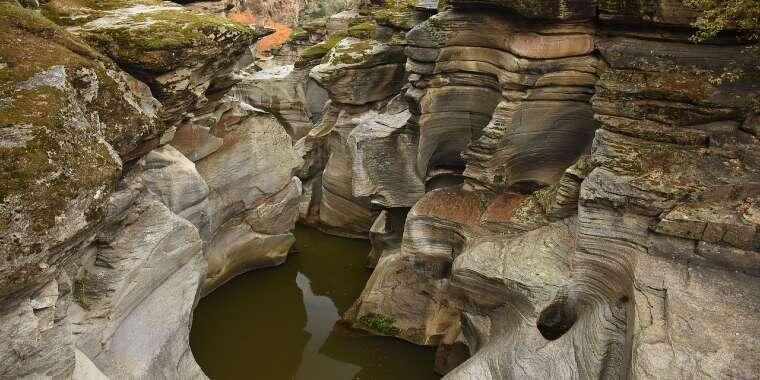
(280,36)
(503,207)
(453,204)
(245,17)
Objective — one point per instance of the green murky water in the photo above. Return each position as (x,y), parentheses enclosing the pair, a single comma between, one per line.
(280,323)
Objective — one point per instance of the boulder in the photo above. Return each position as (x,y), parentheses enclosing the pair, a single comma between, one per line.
(237,248)
(384,167)
(378,65)
(182,55)
(284,91)
(259,237)
(136,288)
(253,145)
(67,115)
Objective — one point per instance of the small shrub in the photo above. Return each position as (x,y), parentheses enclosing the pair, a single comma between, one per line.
(379,323)
(718,15)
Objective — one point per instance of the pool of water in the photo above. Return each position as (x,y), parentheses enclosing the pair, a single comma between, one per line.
(280,323)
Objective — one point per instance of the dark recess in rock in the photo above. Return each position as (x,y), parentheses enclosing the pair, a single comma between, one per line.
(556,320)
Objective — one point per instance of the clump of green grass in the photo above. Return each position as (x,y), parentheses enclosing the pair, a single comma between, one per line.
(379,323)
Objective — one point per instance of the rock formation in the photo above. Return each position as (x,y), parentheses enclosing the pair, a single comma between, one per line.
(590,189)
(552,189)
(118,207)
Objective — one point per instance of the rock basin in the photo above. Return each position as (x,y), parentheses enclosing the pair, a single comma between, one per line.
(283,322)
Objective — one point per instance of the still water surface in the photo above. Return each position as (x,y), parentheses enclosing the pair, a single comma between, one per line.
(280,323)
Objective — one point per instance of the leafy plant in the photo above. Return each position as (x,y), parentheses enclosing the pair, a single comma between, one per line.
(719,15)
(380,323)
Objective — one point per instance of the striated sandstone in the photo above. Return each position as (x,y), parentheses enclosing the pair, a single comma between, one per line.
(552,189)
(600,182)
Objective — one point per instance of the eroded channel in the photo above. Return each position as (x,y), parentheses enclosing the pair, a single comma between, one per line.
(281,323)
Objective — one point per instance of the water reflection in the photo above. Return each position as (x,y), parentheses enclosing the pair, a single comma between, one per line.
(280,323)
(321,315)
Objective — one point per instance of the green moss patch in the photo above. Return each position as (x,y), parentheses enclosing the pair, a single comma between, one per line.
(161,41)
(24,33)
(321,49)
(34,45)
(79,12)
(57,155)
(394,13)
(379,323)
(356,52)
(363,30)
(299,34)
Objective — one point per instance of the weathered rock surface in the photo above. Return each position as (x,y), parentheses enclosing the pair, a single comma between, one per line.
(362,78)
(659,12)
(260,237)
(410,284)
(104,262)
(175,180)
(384,149)
(60,143)
(593,188)
(285,91)
(339,211)
(358,72)
(136,288)
(252,146)
(36,341)
(67,115)
(181,55)
(527,84)
(552,190)
(247,161)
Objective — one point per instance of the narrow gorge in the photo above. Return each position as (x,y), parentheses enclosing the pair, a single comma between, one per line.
(380,189)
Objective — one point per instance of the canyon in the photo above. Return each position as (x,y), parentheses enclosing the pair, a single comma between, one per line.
(551,189)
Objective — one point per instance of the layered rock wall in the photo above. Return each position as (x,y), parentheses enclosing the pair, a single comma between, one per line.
(577,185)
(551,189)
(122,209)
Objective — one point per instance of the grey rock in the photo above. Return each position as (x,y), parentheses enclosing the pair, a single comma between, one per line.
(253,146)
(175,180)
(334,207)
(286,92)
(36,337)
(85,369)
(144,268)
(384,167)
(236,248)
(379,66)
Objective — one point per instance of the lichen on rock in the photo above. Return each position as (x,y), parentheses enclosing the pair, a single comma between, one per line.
(179,53)
(543,181)
(64,112)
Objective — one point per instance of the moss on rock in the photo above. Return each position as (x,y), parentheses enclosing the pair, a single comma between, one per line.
(79,12)
(60,101)
(350,53)
(299,34)
(363,30)
(39,112)
(163,40)
(321,49)
(378,323)
(394,13)
(175,51)
(38,45)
